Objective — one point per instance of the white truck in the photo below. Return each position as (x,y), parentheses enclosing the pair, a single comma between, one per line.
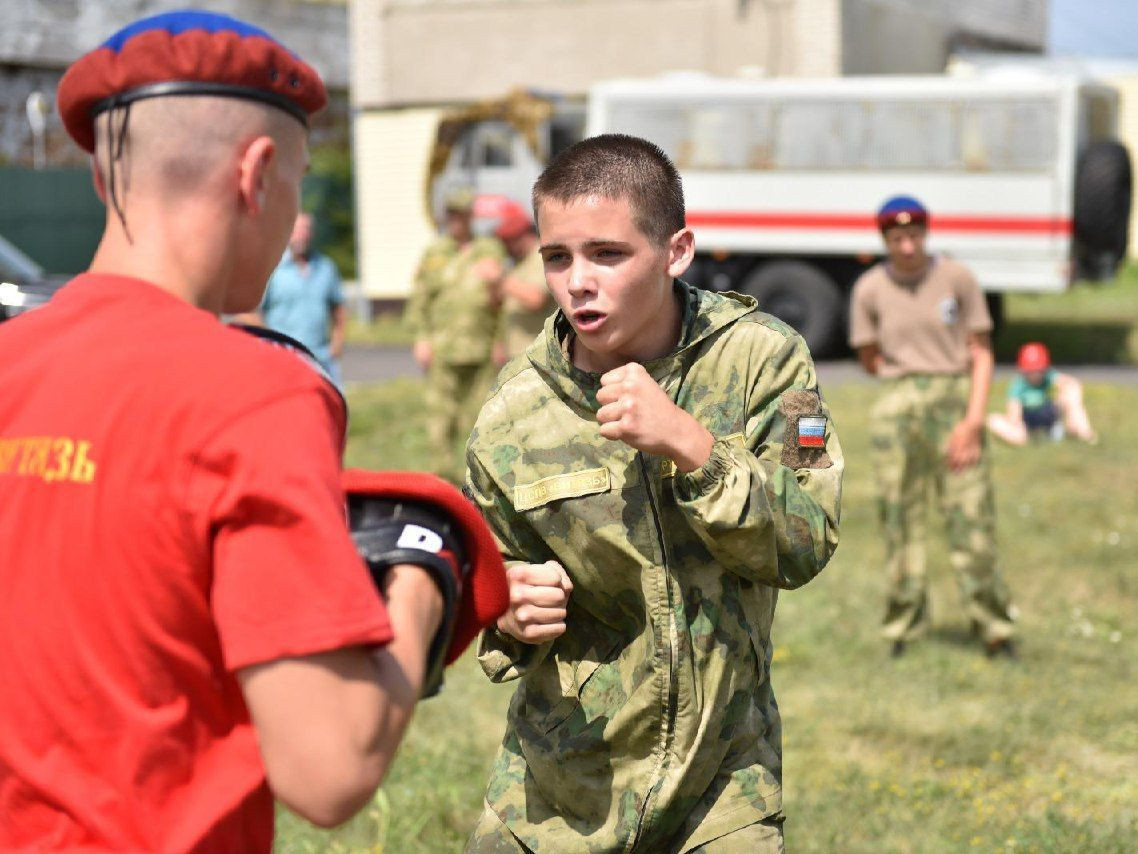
(1023,176)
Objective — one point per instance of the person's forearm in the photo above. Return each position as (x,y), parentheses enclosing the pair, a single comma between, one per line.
(758,520)
(531,298)
(339,327)
(330,723)
(982,365)
(414,606)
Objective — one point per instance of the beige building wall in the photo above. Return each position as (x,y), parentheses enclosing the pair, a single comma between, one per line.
(391,152)
(436,51)
(463,50)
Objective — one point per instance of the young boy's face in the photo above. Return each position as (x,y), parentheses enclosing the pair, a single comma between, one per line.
(610,279)
(905,245)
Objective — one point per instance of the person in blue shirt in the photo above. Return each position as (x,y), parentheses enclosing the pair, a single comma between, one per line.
(1040,399)
(304,299)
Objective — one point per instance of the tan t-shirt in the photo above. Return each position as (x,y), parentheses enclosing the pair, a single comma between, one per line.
(520,324)
(921,326)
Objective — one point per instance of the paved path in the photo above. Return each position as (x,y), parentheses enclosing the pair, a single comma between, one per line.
(375,364)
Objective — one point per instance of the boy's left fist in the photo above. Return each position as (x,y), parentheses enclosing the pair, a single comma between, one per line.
(636,411)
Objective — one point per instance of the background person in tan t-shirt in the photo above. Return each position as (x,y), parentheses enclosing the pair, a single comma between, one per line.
(921,324)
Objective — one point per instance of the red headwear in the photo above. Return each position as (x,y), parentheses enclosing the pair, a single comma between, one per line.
(1033,356)
(185,53)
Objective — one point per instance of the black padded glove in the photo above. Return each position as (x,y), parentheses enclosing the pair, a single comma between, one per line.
(389,532)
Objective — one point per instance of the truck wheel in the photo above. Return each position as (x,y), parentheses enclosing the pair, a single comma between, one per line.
(804,297)
(1102,202)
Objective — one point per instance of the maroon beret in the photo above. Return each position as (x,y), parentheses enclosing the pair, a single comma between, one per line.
(186,53)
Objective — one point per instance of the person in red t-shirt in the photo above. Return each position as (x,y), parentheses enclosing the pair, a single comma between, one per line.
(186,625)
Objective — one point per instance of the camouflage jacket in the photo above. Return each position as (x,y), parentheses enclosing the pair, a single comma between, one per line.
(450,305)
(650,724)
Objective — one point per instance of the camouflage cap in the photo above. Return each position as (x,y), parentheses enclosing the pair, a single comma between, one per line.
(460,200)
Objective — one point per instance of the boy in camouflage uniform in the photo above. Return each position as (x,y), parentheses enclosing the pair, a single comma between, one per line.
(656,466)
(920,323)
(453,313)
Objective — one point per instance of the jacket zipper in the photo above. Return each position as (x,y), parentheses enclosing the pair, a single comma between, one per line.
(667,724)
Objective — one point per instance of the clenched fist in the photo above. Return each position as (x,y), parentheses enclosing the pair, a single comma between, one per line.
(636,411)
(539,593)
(964,446)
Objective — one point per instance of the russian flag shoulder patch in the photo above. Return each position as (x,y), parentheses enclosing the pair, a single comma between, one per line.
(804,436)
(812,431)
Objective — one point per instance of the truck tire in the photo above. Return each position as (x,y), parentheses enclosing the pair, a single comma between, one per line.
(804,297)
(1102,203)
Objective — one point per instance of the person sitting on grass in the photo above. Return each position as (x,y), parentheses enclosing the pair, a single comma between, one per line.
(1041,400)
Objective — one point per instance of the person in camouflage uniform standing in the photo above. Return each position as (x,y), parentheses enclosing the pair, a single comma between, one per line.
(453,313)
(656,467)
(921,324)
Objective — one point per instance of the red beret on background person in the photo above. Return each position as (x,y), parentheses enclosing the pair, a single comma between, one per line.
(901,210)
(187,626)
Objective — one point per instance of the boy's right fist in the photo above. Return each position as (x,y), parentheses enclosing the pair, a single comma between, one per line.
(539,593)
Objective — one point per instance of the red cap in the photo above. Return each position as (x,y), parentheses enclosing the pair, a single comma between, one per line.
(514,223)
(185,53)
(1033,356)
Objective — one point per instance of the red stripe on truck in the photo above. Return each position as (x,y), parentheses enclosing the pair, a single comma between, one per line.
(859,222)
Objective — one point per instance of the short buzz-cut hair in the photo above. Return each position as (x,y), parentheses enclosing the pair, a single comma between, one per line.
(618,166)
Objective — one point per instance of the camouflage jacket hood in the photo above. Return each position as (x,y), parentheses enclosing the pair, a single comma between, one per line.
(702,316)
(650,723)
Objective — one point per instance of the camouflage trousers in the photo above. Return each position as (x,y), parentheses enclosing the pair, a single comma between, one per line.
(911,423)
(455,393)
(491,836)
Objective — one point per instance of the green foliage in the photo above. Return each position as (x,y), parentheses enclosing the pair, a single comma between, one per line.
(942,750)
(329,194)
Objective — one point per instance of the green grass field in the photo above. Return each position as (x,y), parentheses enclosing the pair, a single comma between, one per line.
(942,750)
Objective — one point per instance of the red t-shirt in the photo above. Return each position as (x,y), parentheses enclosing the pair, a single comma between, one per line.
(170,512)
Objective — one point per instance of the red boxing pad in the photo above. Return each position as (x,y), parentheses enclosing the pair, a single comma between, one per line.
(485,593)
